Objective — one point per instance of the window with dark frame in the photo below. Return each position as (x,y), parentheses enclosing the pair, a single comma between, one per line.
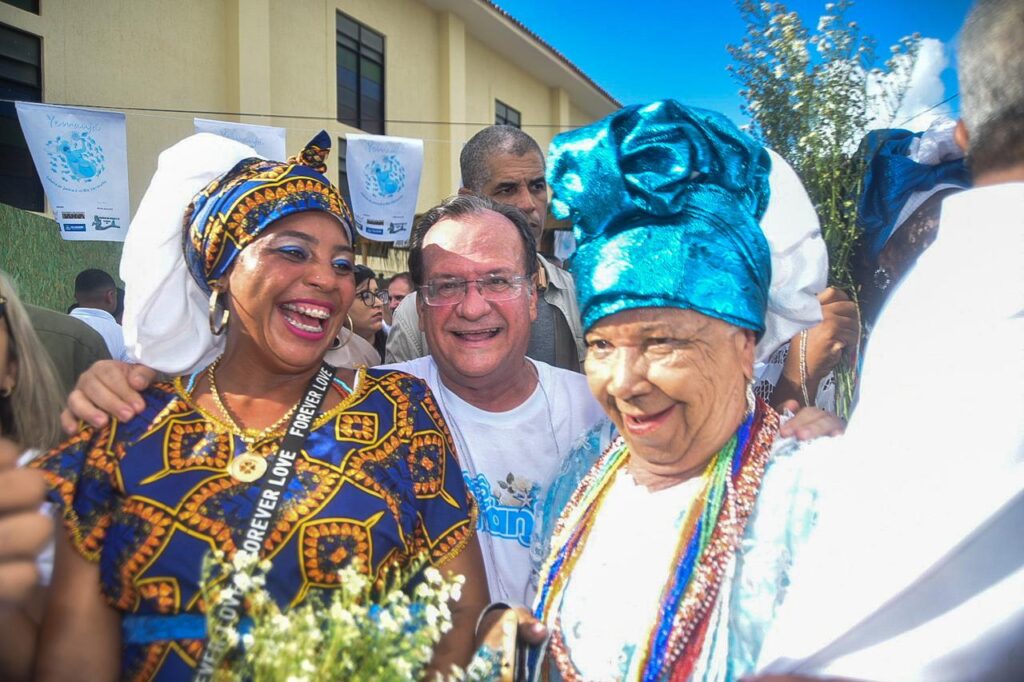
(360,75)
(505,115)
(343,171)
(27,5)
(21,79)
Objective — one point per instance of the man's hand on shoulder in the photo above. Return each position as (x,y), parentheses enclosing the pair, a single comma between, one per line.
(109,387)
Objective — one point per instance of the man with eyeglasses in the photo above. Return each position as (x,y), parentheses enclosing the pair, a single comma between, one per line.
(512,418)
(506,165)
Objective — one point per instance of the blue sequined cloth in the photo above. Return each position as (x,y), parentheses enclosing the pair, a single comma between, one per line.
(665,202)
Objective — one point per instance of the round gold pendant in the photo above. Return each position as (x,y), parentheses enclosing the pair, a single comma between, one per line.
(247,468)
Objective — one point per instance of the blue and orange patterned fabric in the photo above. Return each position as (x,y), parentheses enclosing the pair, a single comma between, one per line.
(147,499)
(230,212)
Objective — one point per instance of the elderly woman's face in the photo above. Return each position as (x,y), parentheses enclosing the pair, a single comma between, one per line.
(673,381)
(289,290)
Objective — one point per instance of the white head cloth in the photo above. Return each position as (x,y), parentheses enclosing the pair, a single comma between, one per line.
(936,145)
(799,261)
(166,319)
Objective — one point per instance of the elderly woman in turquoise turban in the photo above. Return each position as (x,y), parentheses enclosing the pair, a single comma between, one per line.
(670,557)
(239,273)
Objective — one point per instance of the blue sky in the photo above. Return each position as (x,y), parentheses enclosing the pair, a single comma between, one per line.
(677,48)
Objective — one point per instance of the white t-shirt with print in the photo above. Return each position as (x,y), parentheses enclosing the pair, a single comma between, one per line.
(508,461)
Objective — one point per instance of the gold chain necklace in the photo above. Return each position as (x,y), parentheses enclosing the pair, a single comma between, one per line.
(247,467)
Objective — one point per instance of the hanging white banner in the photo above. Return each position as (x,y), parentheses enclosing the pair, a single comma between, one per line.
(384,183)
(268,141)
(81,157)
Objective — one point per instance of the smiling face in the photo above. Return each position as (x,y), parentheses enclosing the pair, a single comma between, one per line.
(673,381)
(477,342)
(519,181)
(367,319)
(289,291)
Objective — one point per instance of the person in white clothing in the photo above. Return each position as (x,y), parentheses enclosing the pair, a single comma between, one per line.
(96,296)
(509,458)
(916,570)
(513,418)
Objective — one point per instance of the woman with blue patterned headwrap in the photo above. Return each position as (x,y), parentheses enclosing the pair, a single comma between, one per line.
(687,522)
(239,274)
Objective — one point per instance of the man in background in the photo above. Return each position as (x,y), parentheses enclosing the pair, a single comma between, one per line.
(71,344)
(506,165)
(398,288)
(96,296)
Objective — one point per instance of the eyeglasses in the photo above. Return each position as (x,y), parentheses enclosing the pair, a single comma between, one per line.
(493,288)
(3,306)
(368,297)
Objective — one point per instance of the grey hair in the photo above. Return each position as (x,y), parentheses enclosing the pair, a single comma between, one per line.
(991,73)
(465,205)
(496,139)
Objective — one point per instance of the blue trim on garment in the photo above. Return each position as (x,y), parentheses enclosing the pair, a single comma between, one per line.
(137,629)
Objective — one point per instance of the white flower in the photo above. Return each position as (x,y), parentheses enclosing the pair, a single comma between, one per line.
(243,560)
(387,622)
(432,576)
(281,621)
(242,581)
(403,668)
(307,667)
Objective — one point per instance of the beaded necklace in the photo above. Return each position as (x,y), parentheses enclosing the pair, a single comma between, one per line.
(711,532)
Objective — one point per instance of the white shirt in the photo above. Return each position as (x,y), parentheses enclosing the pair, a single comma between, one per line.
(508,461)
(631,547)
(107,327)
(934,447)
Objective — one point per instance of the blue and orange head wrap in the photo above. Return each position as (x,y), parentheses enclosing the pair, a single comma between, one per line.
(233,210)
(665,202)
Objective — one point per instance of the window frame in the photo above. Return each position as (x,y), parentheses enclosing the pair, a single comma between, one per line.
(32,9)
(503,112)
(31,197)
(359,47)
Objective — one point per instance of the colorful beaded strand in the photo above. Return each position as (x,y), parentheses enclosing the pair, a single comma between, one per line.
(709,537)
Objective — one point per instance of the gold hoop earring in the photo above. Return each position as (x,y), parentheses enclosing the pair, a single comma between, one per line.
(341,344)
(215,329)
(351,325)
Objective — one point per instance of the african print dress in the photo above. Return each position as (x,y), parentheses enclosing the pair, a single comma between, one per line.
(149,498)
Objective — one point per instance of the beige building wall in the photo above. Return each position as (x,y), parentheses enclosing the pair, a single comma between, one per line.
(158,62)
